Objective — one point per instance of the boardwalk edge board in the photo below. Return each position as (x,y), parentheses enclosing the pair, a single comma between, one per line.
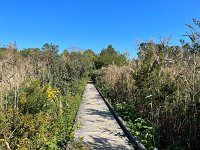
(132,138)
(77,113)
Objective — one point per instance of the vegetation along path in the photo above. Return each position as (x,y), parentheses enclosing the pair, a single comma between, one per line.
(98,127)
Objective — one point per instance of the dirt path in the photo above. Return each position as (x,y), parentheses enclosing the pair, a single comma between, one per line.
(97,125)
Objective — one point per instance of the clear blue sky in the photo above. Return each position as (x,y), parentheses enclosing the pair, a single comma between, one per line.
(94,23)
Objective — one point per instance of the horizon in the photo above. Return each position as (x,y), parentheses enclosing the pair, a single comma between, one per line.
(94,25)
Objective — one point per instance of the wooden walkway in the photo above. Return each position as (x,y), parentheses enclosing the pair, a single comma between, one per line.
(97,125)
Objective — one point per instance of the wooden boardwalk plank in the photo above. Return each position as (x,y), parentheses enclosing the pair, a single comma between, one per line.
(97,125)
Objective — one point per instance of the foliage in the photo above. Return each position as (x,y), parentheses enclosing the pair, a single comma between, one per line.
(161,88)
(77,145)
(142,131)
(39,97)
(110,56)
(27,52)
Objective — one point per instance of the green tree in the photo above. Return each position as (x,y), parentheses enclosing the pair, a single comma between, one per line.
(27,51)
(110,56)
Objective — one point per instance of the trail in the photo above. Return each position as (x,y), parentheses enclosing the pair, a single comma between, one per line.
(97,125)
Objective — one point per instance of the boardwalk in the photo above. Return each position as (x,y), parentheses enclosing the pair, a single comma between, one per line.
(97,125)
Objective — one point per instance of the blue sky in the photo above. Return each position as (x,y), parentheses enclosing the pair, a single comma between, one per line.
(94,23)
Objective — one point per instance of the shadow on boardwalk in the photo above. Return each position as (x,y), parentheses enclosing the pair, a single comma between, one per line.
(104,144)
(105,114)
